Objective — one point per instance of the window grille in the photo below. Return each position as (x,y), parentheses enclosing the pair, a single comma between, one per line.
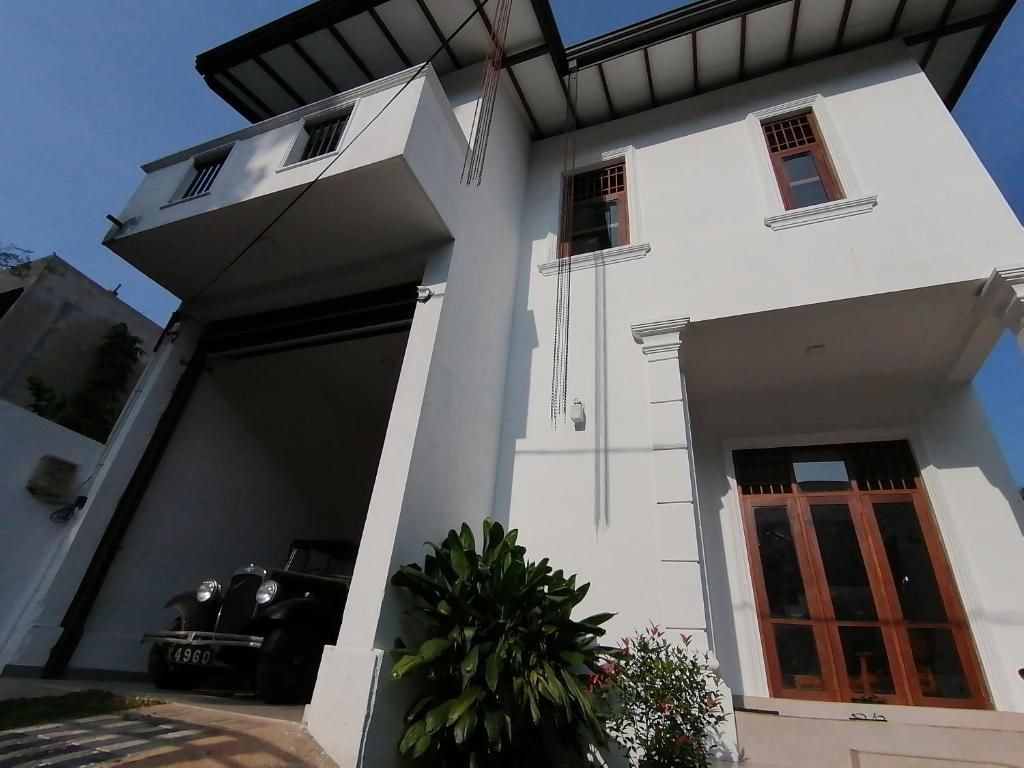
(597,184)
(790,133)
(205,173)
(323,137)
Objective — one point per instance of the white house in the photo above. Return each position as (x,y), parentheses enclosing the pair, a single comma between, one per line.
(785,267)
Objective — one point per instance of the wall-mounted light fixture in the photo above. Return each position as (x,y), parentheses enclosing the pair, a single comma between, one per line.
(578,415)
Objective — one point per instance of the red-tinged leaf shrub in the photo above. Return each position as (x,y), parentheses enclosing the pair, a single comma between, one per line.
(662,701)
(502,671)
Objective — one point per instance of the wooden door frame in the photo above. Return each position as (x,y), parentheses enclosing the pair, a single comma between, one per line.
(897,641)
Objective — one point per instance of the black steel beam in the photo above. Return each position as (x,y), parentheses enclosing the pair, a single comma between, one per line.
(389,37)
(956,27)
(236,103)
(313,66)
(943,19)
(300,23)
(524,101)
(843,21)
(525,55)
(791,46)
(650,77)
(247,92)
(607,93)
(743,46)
(897,17)
(667,26)
(350,52)
(425,10)
(998,17)
(272,74)
(696,68)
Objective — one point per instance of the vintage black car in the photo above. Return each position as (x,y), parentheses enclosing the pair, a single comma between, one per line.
(268,626)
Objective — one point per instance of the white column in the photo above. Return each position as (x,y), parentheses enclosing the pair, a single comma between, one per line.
(684,605)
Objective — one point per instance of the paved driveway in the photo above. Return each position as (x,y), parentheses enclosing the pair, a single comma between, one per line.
(164,735)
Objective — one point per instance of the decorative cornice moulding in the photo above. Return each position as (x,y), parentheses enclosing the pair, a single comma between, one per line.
(836,209)
(598,258)
(657,335)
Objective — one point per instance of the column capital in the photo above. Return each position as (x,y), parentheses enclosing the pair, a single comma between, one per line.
(661,339)
(1003,297)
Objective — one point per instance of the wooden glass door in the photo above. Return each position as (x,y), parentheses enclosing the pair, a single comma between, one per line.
(854,594)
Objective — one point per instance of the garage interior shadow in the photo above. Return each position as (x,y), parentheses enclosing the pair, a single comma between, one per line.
(269,449)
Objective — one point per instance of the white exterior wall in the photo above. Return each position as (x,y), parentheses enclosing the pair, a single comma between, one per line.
(438,465)
(39,626)
(255,166)
(29,541)
(697,197)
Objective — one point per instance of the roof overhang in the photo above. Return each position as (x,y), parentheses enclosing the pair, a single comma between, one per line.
(333,45)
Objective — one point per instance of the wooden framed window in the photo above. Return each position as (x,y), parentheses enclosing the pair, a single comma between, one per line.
(855,597)
(598,217)
(800,161)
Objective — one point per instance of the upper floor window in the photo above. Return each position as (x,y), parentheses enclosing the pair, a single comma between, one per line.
(203,175)
(600,215)
(801,163)
(322,137)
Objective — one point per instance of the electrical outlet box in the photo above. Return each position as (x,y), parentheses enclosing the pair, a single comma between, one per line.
(52,478)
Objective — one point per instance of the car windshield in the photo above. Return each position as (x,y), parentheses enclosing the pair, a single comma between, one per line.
(317,562)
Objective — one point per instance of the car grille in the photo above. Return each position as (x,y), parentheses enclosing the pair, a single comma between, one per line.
(239,602)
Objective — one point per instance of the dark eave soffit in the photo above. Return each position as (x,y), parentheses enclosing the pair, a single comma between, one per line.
(674,23)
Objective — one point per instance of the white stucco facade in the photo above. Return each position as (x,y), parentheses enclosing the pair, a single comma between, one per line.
(726,323)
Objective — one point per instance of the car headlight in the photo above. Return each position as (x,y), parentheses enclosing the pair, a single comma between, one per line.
(266,592)
(208,589)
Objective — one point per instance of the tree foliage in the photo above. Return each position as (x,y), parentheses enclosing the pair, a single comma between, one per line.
(663,701)
(14,259)
(502,670)
(94,408)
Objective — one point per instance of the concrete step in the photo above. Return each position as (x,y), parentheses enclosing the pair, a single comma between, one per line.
(777,733)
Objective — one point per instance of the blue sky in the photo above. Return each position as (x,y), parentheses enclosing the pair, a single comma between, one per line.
(93,88)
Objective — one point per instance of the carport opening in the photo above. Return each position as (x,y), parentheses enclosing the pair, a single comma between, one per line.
(269,449)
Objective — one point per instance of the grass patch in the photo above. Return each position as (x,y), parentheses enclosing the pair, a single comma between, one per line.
(18,713)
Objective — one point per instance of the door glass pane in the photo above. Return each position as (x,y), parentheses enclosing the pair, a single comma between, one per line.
(908,558)
(798,657)
(782,580)
(867,663)
(938,664)
(844,564)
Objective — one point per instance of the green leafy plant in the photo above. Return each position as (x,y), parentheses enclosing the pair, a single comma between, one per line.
(503,668)
(663,701)
(94,408)
(15,260)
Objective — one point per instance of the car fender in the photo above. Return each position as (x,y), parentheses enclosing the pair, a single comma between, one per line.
(297,610)
(194,615)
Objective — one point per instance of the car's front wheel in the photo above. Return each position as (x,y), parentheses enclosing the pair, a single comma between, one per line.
(167,675)
(287,667)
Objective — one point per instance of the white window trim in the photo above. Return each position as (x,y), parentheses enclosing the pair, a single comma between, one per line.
(637,247)
(346,110)
(223,151)
(854,200)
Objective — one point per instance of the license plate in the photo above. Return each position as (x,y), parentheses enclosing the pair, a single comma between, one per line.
(184,654)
